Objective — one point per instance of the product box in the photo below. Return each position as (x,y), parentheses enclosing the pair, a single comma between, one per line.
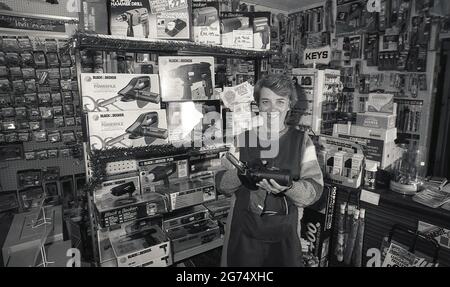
(189,192)
(148,247)
(149,204)
(186,78)
(129,18)
(236,29)
(316,226)
(119,92)
(380,103)
(170,19)
(386,135)
(199,122)
(118,192)
(193,234)
(206,22)
(93,16)
(127,129)
(185,216)
(219,208)
(161,171)
(376,120)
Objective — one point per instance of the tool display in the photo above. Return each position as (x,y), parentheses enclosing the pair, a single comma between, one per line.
(261,27)
(146,125)
(134,18)
(251,176)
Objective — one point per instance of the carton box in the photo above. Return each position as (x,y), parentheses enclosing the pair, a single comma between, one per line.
(129,18)
(127,129)
(186,78)
(119,92)
(236,29)
(386,135)
(93,16)
(104,193)
(206,22)
(380,103)
(376,120)
(170,19)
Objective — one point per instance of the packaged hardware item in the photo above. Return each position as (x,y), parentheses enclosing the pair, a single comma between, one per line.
(219,208)
(54,136)
(193,234)
(186,78)
(58,121)
(376,120)
(30,155)
(8,112)
(12,59)
(146,205)
(189,192)
(118,192)
(5,100)
(68,137)
(129,18)
(236,29)
(147,247)
(4,71)
(11,137)
(118,92)
(52,153)
(18,86)
(40,136)
(9,125)
(23,125)
(42,154)
(58,111)
(27,59)
(5,86)
(380,103)
(21,112)
(206,22)
(15,73)
(185,216)
(30,86)
(386,135)
(23,137)
(127,128)
(35,126)
(94,16)
(160,171)
(46,113)
(28,73)
(39,59)
(170,20)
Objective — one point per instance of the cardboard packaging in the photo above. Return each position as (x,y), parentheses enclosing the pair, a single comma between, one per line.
(189,192)
(236,30)
(161,171)
(316,225)
(93,16)
(129,18)
(170,19)
(386,135)
(261,30)
(219,208)
(186,78)
(206,22)
(185,216)
(149,204)
(380,103)
(117,192)
(119,92)
(127,129)
(148,247)
(193,234)
(376,120)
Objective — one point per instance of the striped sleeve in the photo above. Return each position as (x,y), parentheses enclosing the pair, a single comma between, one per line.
(308,189)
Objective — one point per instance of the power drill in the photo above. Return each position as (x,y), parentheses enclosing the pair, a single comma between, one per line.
(194,73)
(251,176)
(133,18)
(138,89)
(161,173)
(261,26)
(205,16)
(122,189)
(146,126)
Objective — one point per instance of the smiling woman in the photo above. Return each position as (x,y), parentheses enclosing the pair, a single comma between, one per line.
(263,229)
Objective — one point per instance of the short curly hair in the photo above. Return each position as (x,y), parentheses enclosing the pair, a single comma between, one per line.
(281,85)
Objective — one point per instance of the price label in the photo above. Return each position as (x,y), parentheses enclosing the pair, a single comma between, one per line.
(158,6)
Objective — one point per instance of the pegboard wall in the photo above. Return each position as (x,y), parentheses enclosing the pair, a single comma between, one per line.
(40,111)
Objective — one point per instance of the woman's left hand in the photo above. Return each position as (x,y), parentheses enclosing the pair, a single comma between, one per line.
(271,186)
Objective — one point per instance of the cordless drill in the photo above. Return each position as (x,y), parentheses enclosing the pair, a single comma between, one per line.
(138,89)
(122,189)
(146,125)
(251,176)
(133,18)
(161,173)
(194,73)
(261,26)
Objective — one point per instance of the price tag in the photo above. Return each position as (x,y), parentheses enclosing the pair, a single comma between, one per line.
(370,197)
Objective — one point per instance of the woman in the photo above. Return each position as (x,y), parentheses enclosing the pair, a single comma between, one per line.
(263,226)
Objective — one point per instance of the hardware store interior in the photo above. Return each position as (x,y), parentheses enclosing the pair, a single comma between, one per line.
(207,133)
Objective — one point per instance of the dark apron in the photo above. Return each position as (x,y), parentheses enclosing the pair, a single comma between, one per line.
(267,240)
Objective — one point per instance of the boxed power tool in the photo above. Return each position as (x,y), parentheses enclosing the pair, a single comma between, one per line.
(129,18)
(236,29)
(170,19)
(93,16)
(186,78)
(185,216)
(118,192)
(219,208)
(149,204)
(119,92)
(193,234)
(160,171)
(188,192)
(147,246)
(380,103)
(127,129)
(386,135)
(316,227)
(206,22)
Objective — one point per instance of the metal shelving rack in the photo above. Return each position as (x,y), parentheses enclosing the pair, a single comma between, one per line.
(83,41)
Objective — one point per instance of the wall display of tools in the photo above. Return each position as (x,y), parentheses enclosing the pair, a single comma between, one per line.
(40,110)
